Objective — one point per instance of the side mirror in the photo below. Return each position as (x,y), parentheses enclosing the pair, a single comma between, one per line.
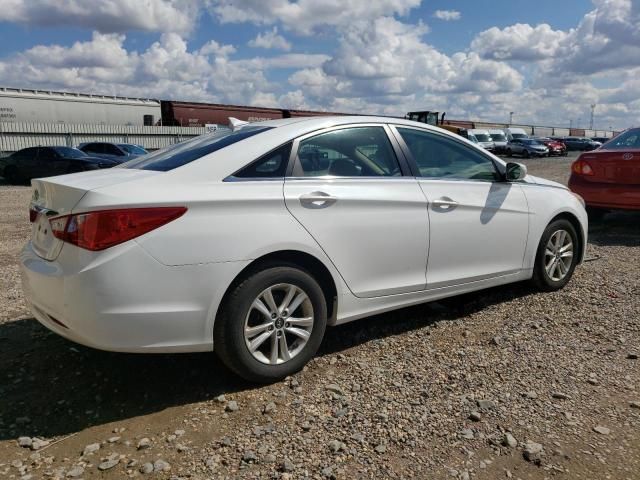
(515,172)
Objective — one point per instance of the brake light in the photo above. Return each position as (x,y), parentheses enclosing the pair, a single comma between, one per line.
(33,214)
(582,167)
(103,229)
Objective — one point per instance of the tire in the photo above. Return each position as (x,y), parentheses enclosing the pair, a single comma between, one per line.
(526,154)
(596,214)
(558,276)
(238,313)
(509,153)
(11,175)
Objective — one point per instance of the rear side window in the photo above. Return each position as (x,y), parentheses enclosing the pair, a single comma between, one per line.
(348,152)
(180,154)
(272,165)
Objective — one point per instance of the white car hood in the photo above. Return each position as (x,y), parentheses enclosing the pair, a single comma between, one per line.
(543,181)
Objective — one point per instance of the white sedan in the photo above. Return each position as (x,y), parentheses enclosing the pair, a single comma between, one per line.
(251,241)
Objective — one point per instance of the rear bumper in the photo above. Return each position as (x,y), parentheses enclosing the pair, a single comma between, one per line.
(606,195)
(124,300)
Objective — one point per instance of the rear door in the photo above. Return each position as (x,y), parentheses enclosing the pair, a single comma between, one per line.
(478,224)
(351,190)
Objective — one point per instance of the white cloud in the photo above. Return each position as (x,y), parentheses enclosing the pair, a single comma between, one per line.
(447,15)
(519,42)
(270,40)
(107,16)
(167,69)
(305,16)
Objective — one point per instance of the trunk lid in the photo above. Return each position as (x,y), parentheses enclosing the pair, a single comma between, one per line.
(614,166)
(57,196)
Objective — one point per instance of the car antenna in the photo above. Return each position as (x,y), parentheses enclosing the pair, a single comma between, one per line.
(235,124)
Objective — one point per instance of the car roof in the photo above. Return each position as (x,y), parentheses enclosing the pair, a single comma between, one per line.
(224,162)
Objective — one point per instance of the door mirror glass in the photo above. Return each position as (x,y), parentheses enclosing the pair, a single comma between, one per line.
(515,171)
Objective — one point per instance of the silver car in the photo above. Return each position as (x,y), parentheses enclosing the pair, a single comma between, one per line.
(526,147)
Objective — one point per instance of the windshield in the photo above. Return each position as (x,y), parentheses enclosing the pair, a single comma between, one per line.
(518,135)
(132,149)
(626,140)
(482,137)
(527,141)
(498,137)
(69,152)
(180,154)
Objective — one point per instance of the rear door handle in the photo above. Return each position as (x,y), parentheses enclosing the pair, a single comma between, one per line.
(317,200)
(445,203)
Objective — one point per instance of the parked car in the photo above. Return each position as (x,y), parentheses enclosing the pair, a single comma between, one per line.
(514,132)
(499,140)
(609,178)
(230,242)
(37,162)
(121,152)
(580,143)
(526,147)
(601,140)
(555,147)
(483,138)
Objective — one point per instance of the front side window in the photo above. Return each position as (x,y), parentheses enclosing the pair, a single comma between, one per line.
(437,156)
(348,152)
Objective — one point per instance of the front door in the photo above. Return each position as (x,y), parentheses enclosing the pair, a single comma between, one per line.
(350,193)
(478,223)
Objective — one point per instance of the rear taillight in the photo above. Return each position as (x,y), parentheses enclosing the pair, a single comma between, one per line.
(33,214)
(582,167)
(106,228)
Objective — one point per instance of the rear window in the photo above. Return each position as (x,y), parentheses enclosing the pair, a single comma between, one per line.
(180,154)
(628,139)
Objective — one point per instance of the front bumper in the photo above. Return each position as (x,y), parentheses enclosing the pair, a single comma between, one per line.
(606,195)
(124,300)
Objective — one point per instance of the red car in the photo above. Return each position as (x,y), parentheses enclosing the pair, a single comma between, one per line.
(555,147)
(609,178)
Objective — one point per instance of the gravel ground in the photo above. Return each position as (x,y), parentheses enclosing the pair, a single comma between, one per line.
(504,383)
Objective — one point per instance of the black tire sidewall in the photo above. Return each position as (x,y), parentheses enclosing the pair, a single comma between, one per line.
(540,277)
(229,340)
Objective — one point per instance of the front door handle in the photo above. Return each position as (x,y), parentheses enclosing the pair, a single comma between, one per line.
(317,200)
(445,203)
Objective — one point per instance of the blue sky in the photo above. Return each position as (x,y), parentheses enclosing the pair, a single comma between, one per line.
(474,59)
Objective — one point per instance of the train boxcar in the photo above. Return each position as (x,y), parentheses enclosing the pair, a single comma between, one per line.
(192,114)
(45,106)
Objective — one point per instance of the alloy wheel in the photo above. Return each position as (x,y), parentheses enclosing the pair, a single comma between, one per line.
(278,324)
(558,255)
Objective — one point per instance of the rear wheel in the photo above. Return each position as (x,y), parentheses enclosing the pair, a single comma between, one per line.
(557,256)
(526,154)
(271,324)
(11,175)
(509,153)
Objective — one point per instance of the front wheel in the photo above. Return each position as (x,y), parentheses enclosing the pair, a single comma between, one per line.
(526,154)
(271,324)
(556,257)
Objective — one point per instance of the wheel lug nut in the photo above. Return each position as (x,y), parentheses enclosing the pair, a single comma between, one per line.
(287,324)
(273,315)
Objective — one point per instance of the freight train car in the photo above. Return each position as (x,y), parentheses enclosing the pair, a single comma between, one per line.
(45,106)
(192,114)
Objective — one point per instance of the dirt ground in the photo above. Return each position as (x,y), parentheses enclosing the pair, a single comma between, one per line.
(505,383)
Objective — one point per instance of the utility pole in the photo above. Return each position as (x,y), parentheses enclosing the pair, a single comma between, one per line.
(593,110)
(570,123)
(511,118)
